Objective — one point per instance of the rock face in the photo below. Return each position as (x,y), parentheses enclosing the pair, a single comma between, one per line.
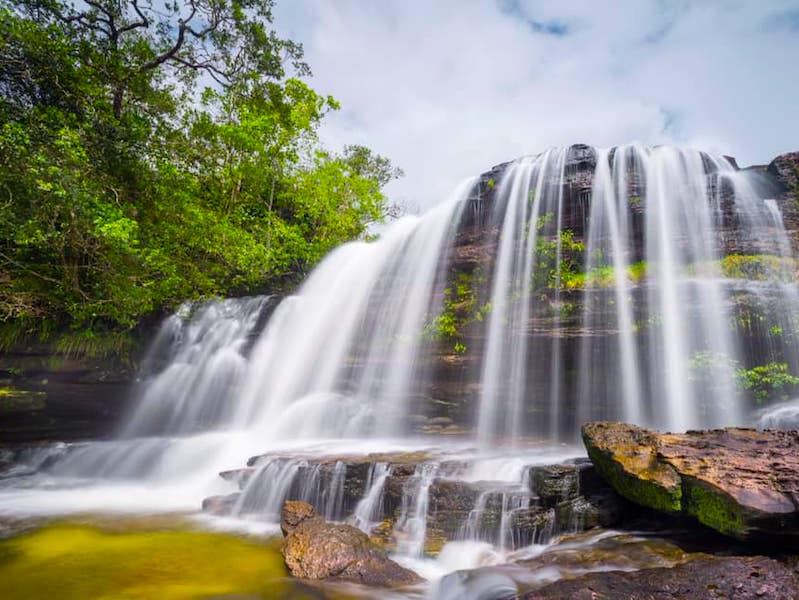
(44,396)
(742,578)
(316,549)
(741,482)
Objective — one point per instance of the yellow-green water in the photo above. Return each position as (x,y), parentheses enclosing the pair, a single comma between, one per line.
(69,561)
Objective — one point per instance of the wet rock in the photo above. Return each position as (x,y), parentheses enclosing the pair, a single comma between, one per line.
(577,514)
(239,476)
(450,503)
(741,482)
(220,505)
(316,549)
(532,525)
(478,584)
(589,481)
(703,577)
(554,483)
(578,553)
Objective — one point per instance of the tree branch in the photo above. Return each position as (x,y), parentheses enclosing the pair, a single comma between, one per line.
(142,22)
(161,59)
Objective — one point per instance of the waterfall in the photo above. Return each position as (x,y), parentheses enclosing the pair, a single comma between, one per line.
(204,356)
(628,283)
(600,277)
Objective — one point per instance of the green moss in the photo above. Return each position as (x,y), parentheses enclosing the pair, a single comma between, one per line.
(644,488)
(78,562)
(14,400)
(712,508)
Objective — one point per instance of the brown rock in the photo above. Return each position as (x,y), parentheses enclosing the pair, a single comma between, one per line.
(706,577)
(294,512)
(741,482)
(316,549)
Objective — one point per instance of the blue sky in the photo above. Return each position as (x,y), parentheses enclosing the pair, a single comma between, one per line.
(448,88)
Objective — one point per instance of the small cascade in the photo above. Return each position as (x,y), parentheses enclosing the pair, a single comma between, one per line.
(411,527)
(369,509)
(197,362)
(473,528)
(334,496)
(281,479)
(512,503)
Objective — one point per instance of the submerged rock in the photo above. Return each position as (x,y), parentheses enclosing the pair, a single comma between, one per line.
(750,577)
(741,482)
(316,549)
(220,505)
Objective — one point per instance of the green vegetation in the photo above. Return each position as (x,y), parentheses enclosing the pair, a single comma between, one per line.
(153,154)
(603,276)
(569,273)
(769,382)
(765,383)
(759,267)
(85,562)
(460,309)
(548,271)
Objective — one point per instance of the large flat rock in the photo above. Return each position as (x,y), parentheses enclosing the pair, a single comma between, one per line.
(741,482)
(705,577)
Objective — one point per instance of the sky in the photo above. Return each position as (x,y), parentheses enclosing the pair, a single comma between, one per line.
(448,88)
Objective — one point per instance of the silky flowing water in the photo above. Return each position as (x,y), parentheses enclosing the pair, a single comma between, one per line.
(593,286)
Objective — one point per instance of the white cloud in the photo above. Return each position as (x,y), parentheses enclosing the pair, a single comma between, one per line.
(447,89)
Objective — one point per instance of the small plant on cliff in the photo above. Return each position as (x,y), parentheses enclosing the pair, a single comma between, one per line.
(459,309)
(772,381)
(558,257)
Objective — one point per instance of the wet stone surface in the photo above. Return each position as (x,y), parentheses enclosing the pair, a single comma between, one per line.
(702,577)
(548,500)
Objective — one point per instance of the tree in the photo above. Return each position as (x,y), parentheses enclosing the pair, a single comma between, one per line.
(149,155)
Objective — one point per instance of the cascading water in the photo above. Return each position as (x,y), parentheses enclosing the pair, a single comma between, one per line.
(368,511)
(627,283)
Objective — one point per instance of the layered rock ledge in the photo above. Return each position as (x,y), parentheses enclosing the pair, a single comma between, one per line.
(546,501)
(742,482)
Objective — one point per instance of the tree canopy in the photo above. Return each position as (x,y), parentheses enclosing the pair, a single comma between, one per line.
(152,152)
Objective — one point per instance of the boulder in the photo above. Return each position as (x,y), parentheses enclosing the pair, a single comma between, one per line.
(742,482)
(316,549)
(704,577)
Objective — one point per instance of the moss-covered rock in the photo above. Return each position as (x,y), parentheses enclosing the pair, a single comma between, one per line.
(741,482)
(626,456)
